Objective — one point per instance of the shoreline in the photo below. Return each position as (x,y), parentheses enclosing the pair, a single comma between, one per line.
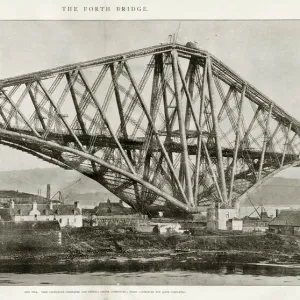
(206,261)
(89,250)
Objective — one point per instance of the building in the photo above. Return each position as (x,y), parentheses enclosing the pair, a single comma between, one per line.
(217,217)
(286,222)
(256,224)
(235,224)
(165,225)
(65,214)
(112,214)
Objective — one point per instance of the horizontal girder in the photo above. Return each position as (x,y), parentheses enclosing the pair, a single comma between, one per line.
(104,141)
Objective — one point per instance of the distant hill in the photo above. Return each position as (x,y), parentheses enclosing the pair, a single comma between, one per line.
(277,191)
(75,186)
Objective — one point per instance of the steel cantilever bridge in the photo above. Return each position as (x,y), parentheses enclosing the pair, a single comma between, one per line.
(166,125)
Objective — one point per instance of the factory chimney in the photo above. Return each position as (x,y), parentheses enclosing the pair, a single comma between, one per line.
(48,191)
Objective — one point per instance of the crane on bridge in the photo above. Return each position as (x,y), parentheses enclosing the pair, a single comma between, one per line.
(62,198)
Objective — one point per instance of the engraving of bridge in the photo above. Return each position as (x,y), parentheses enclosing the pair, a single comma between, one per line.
(169,125)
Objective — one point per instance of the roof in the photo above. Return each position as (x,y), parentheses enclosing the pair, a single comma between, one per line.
(250,218)
(111,208)
(65,209)
(44,209)
(29,226)
(287,218)
(87,211)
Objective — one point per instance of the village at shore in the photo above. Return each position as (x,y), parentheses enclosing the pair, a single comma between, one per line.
(39,230)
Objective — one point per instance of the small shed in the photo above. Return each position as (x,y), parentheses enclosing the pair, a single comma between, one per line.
(235,224)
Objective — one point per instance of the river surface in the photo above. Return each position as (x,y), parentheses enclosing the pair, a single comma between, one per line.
(247,274)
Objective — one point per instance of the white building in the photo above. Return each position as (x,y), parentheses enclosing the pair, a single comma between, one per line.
(65,214)
(217,217)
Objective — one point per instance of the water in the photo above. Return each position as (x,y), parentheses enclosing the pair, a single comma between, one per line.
(230,274)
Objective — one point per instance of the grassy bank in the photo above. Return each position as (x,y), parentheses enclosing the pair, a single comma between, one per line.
(107,245)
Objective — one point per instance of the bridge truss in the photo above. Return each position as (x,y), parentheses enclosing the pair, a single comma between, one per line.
(167,125)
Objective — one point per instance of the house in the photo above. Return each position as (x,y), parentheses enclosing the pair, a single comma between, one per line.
(65,214)
(286,222)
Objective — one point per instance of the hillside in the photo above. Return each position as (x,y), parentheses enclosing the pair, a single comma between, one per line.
(277,191)
(73,185)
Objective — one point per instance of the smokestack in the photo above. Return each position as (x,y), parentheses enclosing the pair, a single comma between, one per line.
(48,191)
(12,204)
(34,205)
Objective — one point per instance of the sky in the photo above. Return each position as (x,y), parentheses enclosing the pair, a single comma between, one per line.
(265,53)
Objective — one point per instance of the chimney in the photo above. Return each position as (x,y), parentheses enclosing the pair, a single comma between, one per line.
(48,191)
(277,212)
(12,204)
(34,205)
(108,201)
(51,205)
(121,202)
(76,204)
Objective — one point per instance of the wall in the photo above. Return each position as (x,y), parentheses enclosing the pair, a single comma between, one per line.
(282,229)
(65,220)
(70,220)
(237,225)
(32,218)
(255,228)
(255,225)
(117,220)
(168,227)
